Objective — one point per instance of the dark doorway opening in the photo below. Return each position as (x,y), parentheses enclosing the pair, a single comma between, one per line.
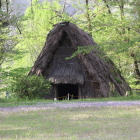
(65,89)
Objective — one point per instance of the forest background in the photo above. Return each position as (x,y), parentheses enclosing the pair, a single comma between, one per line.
(113,24)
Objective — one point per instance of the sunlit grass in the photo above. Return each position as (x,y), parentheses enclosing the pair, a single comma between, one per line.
(99,123)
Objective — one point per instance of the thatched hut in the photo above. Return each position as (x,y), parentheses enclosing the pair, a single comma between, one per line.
(83,76)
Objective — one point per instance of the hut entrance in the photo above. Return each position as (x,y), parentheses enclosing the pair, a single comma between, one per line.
(64,89)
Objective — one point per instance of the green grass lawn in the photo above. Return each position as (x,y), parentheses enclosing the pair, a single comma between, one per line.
(17,102)
(95,123)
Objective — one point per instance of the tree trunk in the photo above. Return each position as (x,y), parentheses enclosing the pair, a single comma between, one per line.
(7,6)
(136,67)
(0,4)
(88,17)
(31,6)
(108,7)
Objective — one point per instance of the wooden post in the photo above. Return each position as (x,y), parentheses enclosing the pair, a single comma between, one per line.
(79,92)
(72,97)
(55,92)
(68,97)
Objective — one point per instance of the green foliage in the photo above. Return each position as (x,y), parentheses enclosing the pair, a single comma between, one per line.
(118,80)
(37,22)
(7,38)
(4,49)
(117,33)
(33,27)
(116,29)
(30,87)
(7,74)
(134,83)
(83,50)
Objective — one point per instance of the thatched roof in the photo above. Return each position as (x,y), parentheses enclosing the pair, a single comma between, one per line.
(61,42)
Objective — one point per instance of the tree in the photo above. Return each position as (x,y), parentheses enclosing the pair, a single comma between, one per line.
(115,27)
(6,37)
(135,12)
(38,20)
(8,24)
(3,23)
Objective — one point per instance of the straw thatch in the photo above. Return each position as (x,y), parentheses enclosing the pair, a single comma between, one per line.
(95,75)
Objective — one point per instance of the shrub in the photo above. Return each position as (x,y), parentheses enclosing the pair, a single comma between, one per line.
(30,87)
